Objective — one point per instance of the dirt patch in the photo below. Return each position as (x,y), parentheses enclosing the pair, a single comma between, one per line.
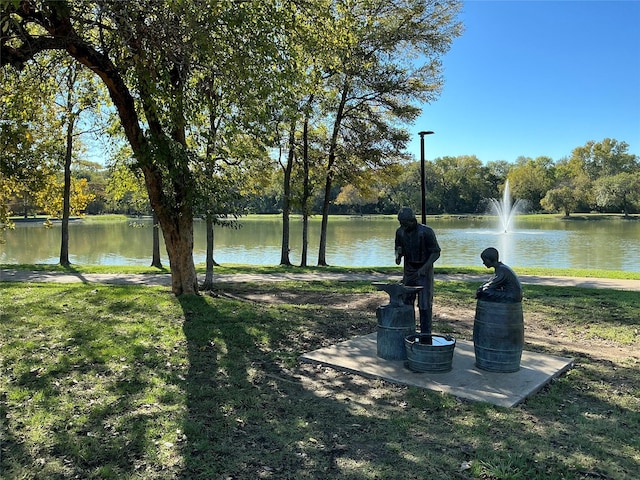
(455,320)
(361,302)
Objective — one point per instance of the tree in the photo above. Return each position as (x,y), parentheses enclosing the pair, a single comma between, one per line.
(462,183)
(51,198)
(405,190)
(220,185)
(495,174)
(604,158)
(221,210)
(384,55)
(352,197)
(96,176)
(6,192)
(29,153)
(227,133)
(593,162)
(310,175)
(530,180)
(63,93)
(570,173)
(562,198)
(307,189)
(125,188)
(621,191)
(79,94)
(309,47)
(146,54)
(287,169)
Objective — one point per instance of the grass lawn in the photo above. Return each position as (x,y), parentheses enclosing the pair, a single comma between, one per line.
(128,382)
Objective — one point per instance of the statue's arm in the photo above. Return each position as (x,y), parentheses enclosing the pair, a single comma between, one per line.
(398,248)
(432,246)
(495,282)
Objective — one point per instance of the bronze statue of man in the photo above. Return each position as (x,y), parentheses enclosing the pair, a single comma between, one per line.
(504,286)
(418,245)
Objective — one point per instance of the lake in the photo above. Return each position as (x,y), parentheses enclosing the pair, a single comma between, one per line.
(544,241)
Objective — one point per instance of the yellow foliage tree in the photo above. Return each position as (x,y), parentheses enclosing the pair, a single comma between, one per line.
(50,198)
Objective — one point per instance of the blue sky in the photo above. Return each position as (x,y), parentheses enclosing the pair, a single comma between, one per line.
(537,78)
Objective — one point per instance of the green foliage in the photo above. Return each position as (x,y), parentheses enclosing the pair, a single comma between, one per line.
(530,180)
(592,172)
(562,198)
(30,146)
(152,57)
(620,191)
(125,190)
(604,158)
(46,103)
(461,184)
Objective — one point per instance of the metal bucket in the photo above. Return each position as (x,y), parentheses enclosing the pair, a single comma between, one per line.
(429,353)
(498,336)
(395,322)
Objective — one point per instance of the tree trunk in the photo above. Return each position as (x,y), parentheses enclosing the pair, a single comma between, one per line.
(625,207)
(178,237)
(322,260)
(305,239)
(208,279)
(322,255)
(175,219)
(156,261)
(174,215)
(286,228)
(306,194)
(286,204)
(66,195)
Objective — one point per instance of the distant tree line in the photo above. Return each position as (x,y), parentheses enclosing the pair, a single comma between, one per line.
(597,177)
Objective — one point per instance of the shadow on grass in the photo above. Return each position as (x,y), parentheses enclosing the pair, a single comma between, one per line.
(123,382)
(251,413)
(78,368)
(250,416)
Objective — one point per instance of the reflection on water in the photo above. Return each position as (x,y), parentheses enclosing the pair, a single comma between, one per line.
(351,241)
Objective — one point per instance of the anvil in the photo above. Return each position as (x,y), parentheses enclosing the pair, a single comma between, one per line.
(396,291)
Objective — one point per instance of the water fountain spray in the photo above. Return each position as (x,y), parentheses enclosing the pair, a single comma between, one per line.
(505,210)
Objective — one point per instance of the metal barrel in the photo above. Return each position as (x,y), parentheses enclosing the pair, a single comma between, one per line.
(498,336)
(429,353)
(395,322)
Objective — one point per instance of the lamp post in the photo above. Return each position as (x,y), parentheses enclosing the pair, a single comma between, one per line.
(422,179)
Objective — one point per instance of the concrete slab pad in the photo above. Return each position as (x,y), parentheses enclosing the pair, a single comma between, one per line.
(359,355)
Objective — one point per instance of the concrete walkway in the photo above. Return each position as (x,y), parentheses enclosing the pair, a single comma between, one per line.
(163,279)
